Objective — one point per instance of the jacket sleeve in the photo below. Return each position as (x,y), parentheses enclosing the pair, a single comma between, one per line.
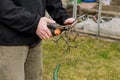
(17,18)
(56,11)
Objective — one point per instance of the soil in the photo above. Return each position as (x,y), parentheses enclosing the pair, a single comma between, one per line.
(114,6)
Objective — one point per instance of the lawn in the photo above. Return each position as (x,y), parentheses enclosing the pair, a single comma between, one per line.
(94,59)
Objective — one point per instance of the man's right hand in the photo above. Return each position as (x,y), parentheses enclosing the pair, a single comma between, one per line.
(42,30)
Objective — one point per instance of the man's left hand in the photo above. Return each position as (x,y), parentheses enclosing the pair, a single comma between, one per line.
(69,21)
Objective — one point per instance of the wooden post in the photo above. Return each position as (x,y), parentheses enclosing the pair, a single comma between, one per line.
(99,17)
(75,9)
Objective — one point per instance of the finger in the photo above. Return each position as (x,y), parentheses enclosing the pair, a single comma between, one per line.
(50,20)
(45,35)
(69,21)
(41,35)
(48,32)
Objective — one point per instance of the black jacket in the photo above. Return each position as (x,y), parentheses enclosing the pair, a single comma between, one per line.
(19,19)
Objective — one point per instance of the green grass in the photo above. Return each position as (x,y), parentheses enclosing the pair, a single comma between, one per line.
(94,59)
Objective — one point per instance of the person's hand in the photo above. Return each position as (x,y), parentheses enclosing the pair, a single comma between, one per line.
(42,30)
(69,21)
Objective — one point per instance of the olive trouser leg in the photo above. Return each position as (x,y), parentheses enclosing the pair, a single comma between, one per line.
(20,63)
(33,64)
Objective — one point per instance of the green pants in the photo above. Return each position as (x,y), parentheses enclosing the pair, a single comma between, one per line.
(20,63)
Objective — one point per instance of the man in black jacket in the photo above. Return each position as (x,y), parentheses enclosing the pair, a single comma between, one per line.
(22,27)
